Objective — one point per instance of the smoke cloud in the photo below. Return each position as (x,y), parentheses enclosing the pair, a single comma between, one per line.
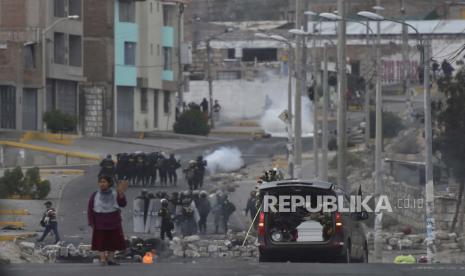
(271,123)
(224,159)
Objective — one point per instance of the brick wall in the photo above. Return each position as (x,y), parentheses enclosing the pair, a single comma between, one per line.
(409,206)
(93,97)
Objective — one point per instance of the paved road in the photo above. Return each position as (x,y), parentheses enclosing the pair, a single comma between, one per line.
(72,209)
(234,267)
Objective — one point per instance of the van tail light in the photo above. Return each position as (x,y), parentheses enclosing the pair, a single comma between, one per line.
(261,229)
(261,224)
(338,217)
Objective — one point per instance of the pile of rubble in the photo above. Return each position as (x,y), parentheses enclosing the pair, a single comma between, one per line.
(21,251)
(214,246)
(225,181)
(400,241)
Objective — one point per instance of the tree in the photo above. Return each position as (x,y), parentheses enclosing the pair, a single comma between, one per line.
(392,124)
(12,180)
(14,183)
(450,132)
(58,121)
(192,121)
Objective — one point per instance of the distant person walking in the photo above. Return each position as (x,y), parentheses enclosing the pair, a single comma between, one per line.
(49,221)
(104,216)
(251,207)
(204,107)
(216,111)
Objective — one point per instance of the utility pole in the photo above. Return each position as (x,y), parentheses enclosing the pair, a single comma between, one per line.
(210,82)
(315,105)
(342,90)
(405,70)
(378,145)
(367,93)
(324,143)
(298,93)
(180,67)
(290,144)
(429,193)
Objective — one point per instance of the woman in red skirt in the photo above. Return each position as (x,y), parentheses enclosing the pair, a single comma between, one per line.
(104,216)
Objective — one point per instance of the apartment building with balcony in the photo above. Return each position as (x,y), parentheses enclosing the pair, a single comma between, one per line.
(131,66)
(38,35)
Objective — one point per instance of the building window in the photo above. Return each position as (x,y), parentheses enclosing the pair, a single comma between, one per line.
(129,53)
(231,53)
(167,58)
(30,56)
(151,7)
(143,101)
(127,11)
(59,8)
(151,48)
(59,48)
(166,101)
(167,15)
(74,7)
(260,54)
(229,75)
(75,50)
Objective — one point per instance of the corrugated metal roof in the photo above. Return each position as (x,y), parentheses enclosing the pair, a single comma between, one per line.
(437,27)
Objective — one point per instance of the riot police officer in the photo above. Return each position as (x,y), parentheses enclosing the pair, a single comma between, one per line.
(107,167)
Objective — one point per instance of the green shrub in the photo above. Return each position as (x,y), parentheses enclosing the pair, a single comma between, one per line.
(12,180)
(192,121)
(58,121)
(42,189)
(14,183)
(392,124)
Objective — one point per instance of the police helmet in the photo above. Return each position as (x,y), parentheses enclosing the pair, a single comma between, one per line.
(164,202)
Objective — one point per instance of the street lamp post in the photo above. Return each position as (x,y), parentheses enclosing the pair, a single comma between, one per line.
(290,144)
(324,144)
(429,189)
(44,57)
(210,83)
(342,92)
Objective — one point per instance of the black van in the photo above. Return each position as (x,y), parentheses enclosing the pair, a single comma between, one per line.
(305,236)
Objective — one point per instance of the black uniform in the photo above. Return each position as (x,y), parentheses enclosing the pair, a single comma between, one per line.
(122,166)
(131,170)
(166,223)
(200,172)
(204,208)
(153,158)
(163,170)
(173,165)
(140,169)
(107,167)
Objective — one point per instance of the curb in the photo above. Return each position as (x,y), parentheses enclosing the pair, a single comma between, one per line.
(61,139)
(15,224)
(12,237)
(250,133)
(17,212)
(51,150)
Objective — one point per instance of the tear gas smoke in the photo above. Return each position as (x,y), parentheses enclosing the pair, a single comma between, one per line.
(224,159)
(271,123)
